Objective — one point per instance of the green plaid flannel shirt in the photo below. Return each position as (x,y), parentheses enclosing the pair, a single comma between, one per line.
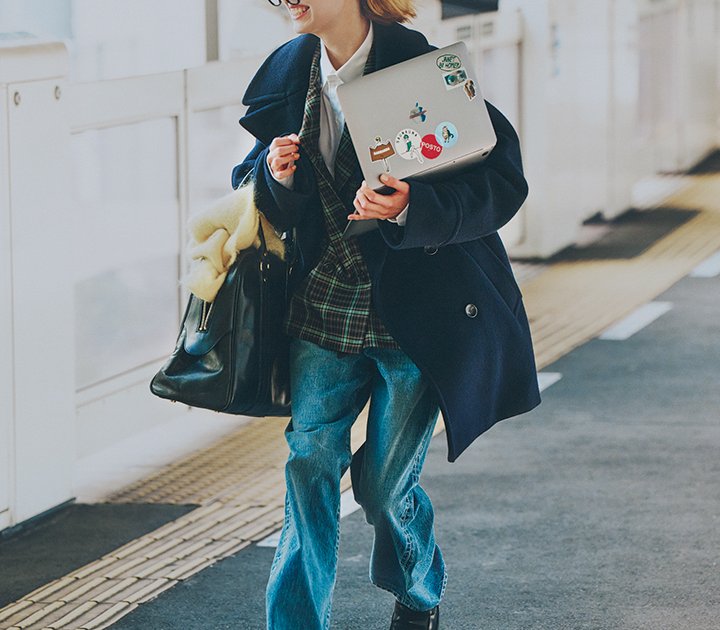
(332,307)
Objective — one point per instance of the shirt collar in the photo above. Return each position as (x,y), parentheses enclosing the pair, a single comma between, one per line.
(352,68)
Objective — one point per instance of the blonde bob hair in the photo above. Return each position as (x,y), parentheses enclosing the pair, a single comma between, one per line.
(387,11)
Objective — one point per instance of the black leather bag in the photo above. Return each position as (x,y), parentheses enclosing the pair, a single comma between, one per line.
(231,355)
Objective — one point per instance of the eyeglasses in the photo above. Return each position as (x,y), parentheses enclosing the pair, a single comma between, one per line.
(277,3)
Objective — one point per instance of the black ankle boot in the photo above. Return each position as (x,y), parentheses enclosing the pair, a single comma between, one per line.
(405,618)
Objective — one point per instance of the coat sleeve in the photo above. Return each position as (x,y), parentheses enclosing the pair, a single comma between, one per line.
(471,204)
(284,208)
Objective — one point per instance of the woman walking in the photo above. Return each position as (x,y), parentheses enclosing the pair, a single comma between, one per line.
(420,315)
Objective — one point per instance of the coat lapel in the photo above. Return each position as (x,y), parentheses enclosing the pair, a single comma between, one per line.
(276,94)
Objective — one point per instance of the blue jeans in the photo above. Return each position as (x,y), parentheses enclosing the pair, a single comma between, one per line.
(329,390)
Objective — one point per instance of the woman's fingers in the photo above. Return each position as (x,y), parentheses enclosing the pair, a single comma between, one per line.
(359,207)
(369,196)
(372,205)
(283,153)
(284,162)
(281,141)
(399,185)
(282,172)
(284,149)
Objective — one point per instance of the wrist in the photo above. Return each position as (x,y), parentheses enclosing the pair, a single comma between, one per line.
(400,217)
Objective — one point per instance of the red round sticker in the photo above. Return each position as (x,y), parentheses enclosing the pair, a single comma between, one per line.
(430,147)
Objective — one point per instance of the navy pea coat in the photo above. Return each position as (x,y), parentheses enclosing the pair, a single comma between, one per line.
(442,284)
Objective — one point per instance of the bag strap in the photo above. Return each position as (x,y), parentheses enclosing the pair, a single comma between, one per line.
(289,238)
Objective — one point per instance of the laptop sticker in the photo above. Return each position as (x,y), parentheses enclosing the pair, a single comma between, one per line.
(455,78)
(446,134)
(470,90)
(418,113)
(446,63)
(382,151)
(408,144)
(431,148)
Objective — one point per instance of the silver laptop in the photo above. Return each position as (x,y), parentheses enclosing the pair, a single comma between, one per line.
(423,118)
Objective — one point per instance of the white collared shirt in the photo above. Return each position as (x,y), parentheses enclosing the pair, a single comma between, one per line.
(332,119)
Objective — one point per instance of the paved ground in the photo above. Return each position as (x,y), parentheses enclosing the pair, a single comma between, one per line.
(598,510)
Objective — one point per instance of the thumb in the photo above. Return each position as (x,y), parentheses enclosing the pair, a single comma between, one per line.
(389,180)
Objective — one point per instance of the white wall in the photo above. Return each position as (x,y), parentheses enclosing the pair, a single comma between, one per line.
(549,117)
(41,416)
(117,39)
(698,87)
(109,39)
(7,388)
(612,93)
(44,18)
(251,28)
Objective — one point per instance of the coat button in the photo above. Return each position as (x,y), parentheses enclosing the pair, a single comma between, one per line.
(327,267)
(471,310)
(430,251)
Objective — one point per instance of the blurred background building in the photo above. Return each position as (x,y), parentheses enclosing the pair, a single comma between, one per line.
(119,119)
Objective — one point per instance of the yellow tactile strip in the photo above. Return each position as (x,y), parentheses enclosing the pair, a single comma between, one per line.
(223,468)
(101,592)
(238,481)
(256,452)
(570,303)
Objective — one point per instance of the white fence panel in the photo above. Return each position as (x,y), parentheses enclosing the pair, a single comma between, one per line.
(41,296)
(700,87)
(7,388)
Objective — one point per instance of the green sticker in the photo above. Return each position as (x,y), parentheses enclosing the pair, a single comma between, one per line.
(455,78)
(446,63)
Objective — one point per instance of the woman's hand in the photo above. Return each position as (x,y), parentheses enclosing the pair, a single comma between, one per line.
(372,205)
(281,157)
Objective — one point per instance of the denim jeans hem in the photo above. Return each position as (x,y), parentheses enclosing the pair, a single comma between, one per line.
(444,584)
(402,598)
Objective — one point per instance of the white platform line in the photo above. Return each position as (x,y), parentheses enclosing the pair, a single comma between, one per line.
(270,541)
(636,321)
(546,379)
(709,268)
(348,505)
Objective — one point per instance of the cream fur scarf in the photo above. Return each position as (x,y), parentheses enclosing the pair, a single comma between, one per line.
(218,233)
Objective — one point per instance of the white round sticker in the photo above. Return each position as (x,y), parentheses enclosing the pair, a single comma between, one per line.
(408,145)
